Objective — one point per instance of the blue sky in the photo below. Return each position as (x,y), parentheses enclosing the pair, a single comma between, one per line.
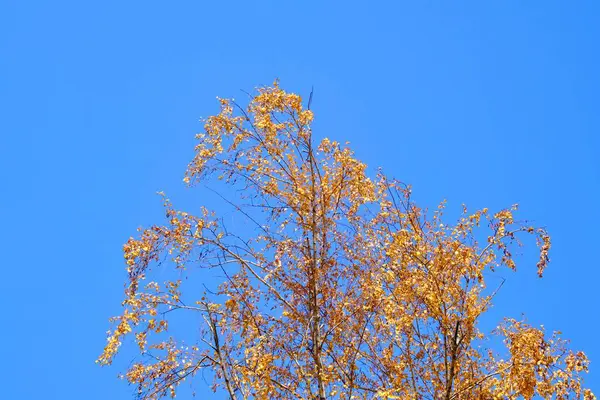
(483,103)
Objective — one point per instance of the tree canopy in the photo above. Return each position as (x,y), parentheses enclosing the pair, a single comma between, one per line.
(342,287)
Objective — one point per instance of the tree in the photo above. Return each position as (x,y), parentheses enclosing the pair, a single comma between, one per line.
(344,289)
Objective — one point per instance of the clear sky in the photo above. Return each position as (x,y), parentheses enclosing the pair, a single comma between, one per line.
(485,103)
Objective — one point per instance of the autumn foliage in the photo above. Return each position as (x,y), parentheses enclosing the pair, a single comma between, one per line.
(339,286)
